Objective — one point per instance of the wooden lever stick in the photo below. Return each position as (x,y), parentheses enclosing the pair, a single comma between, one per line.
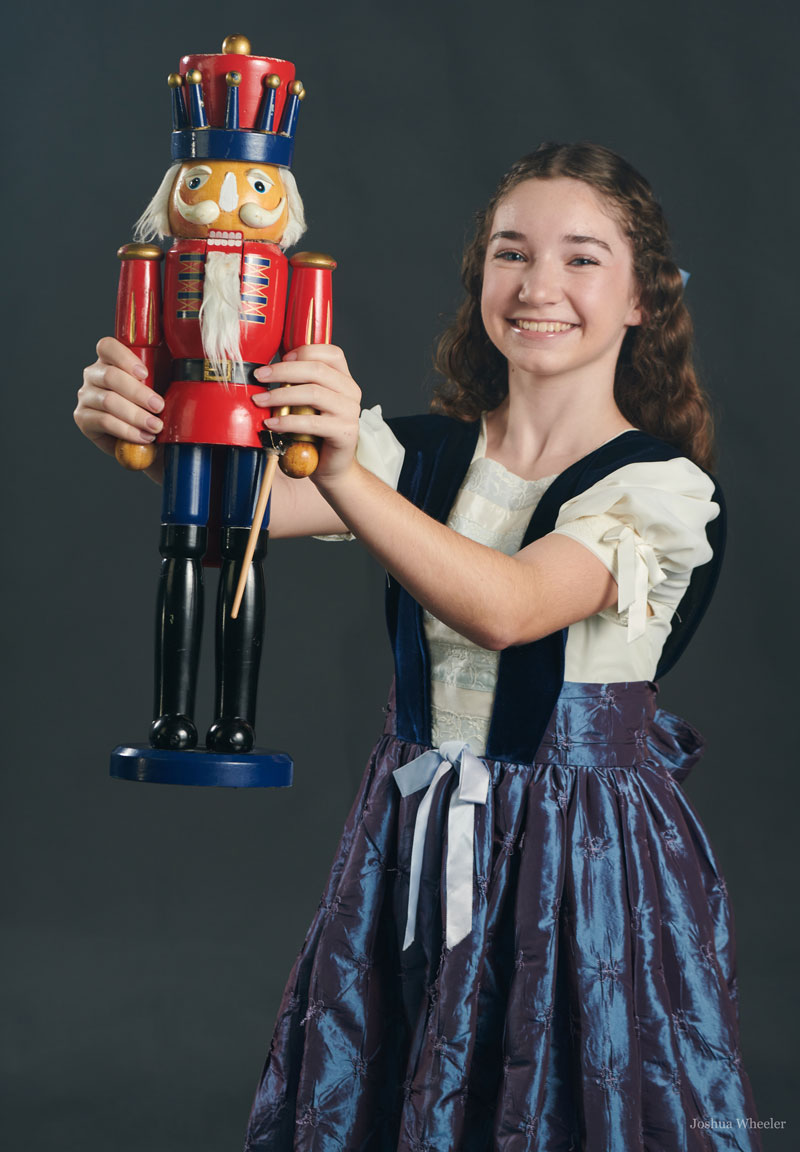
(255,528)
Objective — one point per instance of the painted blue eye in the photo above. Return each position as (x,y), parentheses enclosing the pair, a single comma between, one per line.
(259,181)
(195,178)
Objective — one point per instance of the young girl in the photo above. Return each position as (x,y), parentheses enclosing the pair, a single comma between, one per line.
(525,941)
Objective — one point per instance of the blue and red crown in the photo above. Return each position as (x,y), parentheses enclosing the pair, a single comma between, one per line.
(235,106)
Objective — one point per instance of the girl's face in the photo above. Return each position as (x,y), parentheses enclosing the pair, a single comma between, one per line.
(559,292)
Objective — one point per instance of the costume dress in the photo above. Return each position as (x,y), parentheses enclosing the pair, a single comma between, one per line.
(525,942)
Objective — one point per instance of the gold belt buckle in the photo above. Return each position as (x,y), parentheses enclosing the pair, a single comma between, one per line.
(210,374)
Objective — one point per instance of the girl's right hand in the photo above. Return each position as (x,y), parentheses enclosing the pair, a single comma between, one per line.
(113,402)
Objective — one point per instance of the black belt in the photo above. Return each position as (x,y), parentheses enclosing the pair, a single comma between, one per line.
(202,370)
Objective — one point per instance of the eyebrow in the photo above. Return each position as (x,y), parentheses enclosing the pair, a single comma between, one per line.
(510,234)
(587,240)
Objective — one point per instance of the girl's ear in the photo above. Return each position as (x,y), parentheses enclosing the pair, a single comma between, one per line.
(634,317)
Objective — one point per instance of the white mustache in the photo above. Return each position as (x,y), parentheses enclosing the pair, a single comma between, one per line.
(254,216)
(205,212)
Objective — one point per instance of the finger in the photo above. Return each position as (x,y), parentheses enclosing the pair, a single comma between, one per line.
(311,395)
(314,424)
(294,394)
(132,414)
(307,371)
(327,353)
(112,351)
(104,424)
(105,377)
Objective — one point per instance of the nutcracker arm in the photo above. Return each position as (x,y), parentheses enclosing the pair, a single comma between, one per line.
(308,321)
(138,326)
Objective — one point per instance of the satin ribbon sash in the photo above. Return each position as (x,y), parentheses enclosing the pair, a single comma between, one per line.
(637,572)
(473,788)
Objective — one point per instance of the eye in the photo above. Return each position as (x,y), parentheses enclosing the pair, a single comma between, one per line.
(509,255)
(195,178)
(259,181)
(582,261)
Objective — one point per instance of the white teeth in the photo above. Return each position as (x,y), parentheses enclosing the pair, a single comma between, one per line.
(542,325)
(225,239)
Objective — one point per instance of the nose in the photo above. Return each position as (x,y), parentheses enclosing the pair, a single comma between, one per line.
(229,193)
(540,284)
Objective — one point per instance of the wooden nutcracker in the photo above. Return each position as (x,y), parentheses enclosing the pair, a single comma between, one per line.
(228,306)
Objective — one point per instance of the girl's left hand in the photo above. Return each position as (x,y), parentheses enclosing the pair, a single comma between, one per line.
(319,377)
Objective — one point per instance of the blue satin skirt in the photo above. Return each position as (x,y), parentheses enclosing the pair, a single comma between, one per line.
(593,1004)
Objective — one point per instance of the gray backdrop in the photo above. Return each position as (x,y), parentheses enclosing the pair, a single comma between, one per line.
(149,930)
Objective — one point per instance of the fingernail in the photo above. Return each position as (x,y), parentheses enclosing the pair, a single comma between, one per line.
(140,371)
(154,424)
(263,373)
(155,402)
(290,356)
(147,439)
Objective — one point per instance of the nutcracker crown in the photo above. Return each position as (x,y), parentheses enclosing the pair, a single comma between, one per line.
(234,106)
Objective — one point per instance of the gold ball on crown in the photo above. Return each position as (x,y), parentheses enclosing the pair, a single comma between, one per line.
(236,45)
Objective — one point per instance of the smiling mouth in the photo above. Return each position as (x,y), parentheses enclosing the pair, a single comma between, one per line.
(547,326)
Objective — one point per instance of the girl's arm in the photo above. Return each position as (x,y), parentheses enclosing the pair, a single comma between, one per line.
(494,600)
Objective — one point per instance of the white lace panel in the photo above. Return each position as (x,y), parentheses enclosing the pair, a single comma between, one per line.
(493,507)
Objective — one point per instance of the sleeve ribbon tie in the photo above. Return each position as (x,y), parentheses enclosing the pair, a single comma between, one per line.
(637,572)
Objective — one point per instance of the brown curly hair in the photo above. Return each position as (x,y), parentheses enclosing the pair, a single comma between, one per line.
(655,387)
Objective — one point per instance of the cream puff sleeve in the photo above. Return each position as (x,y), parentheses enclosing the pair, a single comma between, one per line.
(647,523)
(379,451)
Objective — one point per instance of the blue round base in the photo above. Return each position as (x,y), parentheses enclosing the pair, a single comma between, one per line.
(257,769)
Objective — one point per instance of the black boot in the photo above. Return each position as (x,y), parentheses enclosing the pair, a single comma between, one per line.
(239,644)
(179,621)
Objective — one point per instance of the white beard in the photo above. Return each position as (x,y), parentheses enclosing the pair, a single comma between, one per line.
(219,313)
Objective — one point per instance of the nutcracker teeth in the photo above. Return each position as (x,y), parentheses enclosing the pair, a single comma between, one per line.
(224,239)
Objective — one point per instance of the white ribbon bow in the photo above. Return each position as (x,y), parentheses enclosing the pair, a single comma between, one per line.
(637,572)
(473,788)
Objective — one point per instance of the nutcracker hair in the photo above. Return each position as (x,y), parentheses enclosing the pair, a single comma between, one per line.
(153,224)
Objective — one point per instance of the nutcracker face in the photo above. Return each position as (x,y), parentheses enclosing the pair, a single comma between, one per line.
(228,195)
